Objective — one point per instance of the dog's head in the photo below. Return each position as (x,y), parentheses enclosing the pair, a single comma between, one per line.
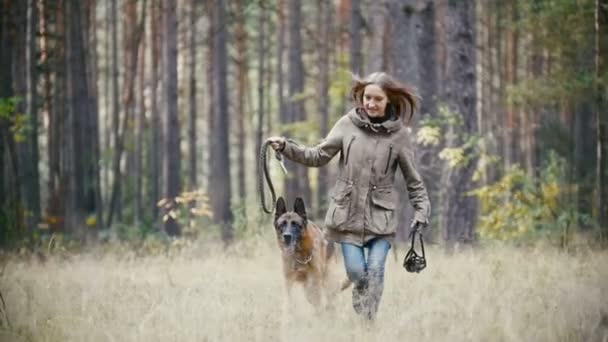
(290,225)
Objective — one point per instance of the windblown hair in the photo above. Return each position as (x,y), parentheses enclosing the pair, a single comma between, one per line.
(401,97)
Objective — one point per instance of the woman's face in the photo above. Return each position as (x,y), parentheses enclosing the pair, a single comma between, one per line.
(374,101)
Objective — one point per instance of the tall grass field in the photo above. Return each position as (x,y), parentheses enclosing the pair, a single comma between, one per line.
(204,293)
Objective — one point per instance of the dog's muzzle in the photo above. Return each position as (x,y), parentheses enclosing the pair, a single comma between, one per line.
(287,238)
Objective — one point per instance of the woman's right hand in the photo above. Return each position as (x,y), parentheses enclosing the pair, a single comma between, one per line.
(277,143)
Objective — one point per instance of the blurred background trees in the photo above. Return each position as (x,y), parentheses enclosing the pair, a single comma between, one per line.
(148,114)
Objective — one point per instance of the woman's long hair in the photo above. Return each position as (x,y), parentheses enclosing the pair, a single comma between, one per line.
(400,96)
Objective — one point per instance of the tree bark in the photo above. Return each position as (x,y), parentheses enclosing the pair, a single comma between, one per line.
(220,188)
(241,38)
(155,164)
(114,207)
(601,110)
(378,21)
(172,150)
(283,110)
(139,133)
(192,99)
(356,24)
(31,108)
(80,116)
(460,96)
(93,162)
(260,79)
(298,184)
(325,42)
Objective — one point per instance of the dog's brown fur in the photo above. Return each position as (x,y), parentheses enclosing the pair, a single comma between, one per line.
(307,262)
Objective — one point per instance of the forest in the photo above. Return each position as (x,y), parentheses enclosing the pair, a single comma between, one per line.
(130,132)
(110,107)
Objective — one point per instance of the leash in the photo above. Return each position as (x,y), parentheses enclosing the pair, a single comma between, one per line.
(412,261)
(265,175)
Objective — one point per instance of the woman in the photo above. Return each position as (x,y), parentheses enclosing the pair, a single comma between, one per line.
(374,143)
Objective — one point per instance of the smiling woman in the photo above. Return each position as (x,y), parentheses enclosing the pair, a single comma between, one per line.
(361,212)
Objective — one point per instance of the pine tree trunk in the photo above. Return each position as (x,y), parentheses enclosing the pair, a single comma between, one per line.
(378,20)
(261,49)
(460,93)
(356,24)
(298,185)
(31,108)
(283,110)
(220,188)
(155,165)
(172,150)
(325,42)
(114,206)
(94,172)
(139,134)
(80,115)
(192,108)
(241,38)
(601,110)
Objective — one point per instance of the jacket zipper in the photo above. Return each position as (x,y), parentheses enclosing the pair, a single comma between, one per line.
(388,160)
(348,150)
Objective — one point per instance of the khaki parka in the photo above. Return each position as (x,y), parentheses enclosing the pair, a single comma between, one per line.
(363,200)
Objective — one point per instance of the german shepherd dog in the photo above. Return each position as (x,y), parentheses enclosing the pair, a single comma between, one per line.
(304,249)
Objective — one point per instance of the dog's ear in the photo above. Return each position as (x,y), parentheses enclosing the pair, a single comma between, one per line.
(300,208)
(281,208)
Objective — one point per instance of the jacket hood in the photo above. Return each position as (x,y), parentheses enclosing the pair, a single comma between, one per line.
(361,120)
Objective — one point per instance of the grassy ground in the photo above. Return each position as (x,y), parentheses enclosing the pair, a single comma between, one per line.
(203,294)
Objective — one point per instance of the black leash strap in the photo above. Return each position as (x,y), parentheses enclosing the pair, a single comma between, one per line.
(264,174)
(412,261)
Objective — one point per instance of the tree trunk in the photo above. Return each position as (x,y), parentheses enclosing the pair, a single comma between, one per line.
(172,150)
(356,24)
(94,173)
(114,207)
(298,184)
(283,110)
(601,110)
(378,21)
(192,99)
(220,189)
(155,165)
(139,133)
(260,79)
(31,108)
(459,94)
(241,38)
(511,123)
(325,42)
(10,186)
(79,118)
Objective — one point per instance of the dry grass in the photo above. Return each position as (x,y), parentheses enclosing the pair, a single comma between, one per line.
(201,294)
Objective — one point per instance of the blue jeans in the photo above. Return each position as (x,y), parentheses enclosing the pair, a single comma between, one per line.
(367,275)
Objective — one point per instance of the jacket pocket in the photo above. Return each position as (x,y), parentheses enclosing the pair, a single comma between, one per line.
(383,211)
(339,207)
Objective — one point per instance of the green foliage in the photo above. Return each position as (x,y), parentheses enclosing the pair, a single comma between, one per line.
(17,121)
(519,206)
(435,131)
(562,31)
